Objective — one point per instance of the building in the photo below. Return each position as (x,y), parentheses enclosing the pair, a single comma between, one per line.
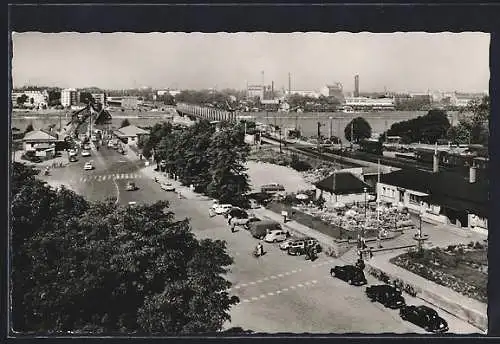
(99,98)
(34,99)
(69,97)
(356,85)
(130,134)
(462,100)
(365,103)
(306,93)
(343,187)
(440,197)
(41,143)
(130,102)
(255,91)
(335,90)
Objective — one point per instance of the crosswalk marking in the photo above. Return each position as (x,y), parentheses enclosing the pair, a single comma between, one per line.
(104,177)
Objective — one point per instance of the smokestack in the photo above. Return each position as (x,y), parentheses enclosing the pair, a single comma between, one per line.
(472,174)
(289,83)
(356,85)
(272,89)
(435,160)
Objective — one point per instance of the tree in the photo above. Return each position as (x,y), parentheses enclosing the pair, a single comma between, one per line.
(125,123)
(100,267)
(32,101)
(428,128)
(479,122)
(228,153)
(21,99)
(361,129)
(159,131)
(29,128)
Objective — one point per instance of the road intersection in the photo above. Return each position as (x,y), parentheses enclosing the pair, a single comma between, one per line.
(278,293)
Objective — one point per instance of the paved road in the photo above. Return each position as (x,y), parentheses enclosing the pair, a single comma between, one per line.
(278,293)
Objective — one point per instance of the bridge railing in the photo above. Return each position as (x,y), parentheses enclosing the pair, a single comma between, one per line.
(207,113)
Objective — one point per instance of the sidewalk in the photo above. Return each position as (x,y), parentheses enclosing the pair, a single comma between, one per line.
(58,160)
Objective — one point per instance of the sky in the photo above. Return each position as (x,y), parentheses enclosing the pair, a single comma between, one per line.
(399,62)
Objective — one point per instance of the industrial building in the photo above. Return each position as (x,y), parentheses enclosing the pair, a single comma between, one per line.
(69,97)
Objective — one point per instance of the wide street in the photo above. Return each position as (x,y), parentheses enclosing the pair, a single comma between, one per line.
(278,293)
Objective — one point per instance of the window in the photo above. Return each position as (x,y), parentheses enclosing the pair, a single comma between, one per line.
(414,199)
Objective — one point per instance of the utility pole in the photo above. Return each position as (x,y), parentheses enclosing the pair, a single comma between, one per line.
(280,141)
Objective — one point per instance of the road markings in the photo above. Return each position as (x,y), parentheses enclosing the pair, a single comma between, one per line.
(246,300)
(284,290)
(292,287)
(273,277)
(270,294)
(252,283)
(266,279)
(255,298)
(244,285)
(237,287)
(294,271)
(263,296)
(280,275)
(300,285)
(259,281)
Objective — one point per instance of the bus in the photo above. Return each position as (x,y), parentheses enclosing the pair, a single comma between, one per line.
(272,188)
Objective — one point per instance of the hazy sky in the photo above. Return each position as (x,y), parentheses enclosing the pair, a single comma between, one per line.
(397,61)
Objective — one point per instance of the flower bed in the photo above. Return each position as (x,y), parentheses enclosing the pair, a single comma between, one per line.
(316,223)
(460,268)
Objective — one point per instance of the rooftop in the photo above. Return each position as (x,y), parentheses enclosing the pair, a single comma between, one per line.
(444,188)
(39,135)
(345,183)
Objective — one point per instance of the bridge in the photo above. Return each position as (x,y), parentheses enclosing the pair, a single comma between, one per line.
(202,112)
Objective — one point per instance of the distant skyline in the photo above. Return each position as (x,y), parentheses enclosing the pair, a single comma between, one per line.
(400,62)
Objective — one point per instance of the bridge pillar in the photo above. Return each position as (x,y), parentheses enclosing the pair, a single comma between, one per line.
(205,113)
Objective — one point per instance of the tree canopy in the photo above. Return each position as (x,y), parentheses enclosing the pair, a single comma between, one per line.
(125,123)
(212,161)
(361,129)
(426,129)
(473,128)
(98,267)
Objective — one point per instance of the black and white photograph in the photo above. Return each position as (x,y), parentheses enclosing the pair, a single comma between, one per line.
(190,183)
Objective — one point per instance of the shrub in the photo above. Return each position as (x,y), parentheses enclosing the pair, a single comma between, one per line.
(478,246)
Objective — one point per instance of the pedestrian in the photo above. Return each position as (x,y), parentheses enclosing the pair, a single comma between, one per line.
(371,253)
(233,225)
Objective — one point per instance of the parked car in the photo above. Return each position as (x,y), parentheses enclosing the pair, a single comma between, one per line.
(88,166)
(299,247)
(425,317)
(85,153)
(349,273)
(238,213)
(275,235)
(250,221)
(259,229)
(253,204)
(221,209)
(131,186)
(386,294)
(167,186)
(238,222)
(86,146)
(285,245)
(72,158)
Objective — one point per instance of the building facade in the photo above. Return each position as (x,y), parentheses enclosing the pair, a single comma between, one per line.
(100,98)
(69,97)
(254,91)
(370,103)
(130,102)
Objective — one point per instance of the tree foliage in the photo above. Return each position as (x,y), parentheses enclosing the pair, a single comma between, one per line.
(125,123)
(361,129)
(426,129)
(103,268)
(21,99)
(158,131)
(474,128)
(212,161)
(29,128)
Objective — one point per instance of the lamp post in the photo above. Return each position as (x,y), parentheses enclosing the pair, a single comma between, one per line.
(280,140)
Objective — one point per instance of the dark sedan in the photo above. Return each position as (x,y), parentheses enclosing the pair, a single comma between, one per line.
(386,294)
(237,213)
(425,317)
(349,273)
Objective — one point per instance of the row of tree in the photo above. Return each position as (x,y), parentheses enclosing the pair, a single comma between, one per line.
(211,160)
(472,128)
(104,268)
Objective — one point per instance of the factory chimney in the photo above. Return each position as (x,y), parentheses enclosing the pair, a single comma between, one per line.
(272,89)
(356,85)
(472,174)
(289,84)
(435,160)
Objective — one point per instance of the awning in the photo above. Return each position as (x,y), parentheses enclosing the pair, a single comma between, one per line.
(417,193)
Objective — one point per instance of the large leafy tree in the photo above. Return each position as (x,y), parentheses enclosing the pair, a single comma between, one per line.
(361,129)
(427,129)
(159,131)
(228,153)
(100,267)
